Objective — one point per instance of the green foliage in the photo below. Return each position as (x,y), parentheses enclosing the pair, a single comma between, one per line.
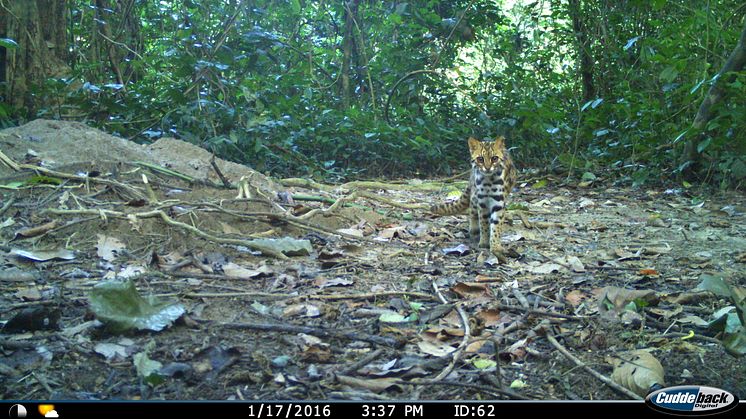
(295,87)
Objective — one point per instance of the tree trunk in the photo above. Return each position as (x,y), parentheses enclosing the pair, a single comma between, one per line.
(584,50)
(348,47)
(736,62)
(38,26)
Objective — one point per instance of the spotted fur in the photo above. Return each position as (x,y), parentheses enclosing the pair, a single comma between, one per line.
(492,178)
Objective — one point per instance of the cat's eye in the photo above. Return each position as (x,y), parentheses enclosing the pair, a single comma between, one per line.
(494,159)
(480,159)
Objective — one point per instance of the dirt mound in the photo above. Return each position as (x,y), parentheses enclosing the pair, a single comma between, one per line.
(61,144)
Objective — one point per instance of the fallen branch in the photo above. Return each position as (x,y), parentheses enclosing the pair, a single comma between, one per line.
(366,296)
(362,362)
(606,380)
(316,331)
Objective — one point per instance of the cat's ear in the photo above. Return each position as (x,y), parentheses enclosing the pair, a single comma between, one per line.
(473,143)
(500,142)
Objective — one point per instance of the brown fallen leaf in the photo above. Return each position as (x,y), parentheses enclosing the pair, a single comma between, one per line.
(234,271)
(442,334)
(575,297)
(393,232)
(472,290)
(376,385)
(516,352)
(35,231)
(490,317)
(638,371)
(648,272)
(301,310)
(619,298)
(544,268)
(687,297)
(437,349)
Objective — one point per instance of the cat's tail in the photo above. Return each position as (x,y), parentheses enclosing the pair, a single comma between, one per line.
(456,207)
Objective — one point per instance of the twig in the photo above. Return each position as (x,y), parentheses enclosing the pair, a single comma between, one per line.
(486,389)
(268,295)
(467,333)
(687,335)
(606,380)
(365,296)
(316,331)
(539,312)
(163,170)
(7,204)
(214,164)
(362,362)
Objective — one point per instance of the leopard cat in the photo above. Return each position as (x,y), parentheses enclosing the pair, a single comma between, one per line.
(492,178)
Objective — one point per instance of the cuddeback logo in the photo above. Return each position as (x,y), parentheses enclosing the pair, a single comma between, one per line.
(691,400)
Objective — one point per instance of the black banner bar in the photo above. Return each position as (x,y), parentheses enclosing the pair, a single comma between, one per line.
(63,409)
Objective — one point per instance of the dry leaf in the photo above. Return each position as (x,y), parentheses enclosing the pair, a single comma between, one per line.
(573,262)
(490,316)
(109,248)
(322,282)
(35,231)
(376,385)
(576,297)
(438,349)
(351,231)
(301,310)
(638,371)
(392,232)
(648,272)
(620,297)
(472,290)
(544,268)
(229,229)
(235,271)
(43,256)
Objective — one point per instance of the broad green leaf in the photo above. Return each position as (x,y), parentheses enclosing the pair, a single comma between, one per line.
(680,136)
(295,4)
(8,43)
(539,184)
(416,306)
(735,344)
(392,317)
(483,364)
(714,284)
(658,4)
(703,145)
(668,74)
(121,308)
(630,43)
(720,319)
(12,185)
(518,384)
(147,369)
(588,176)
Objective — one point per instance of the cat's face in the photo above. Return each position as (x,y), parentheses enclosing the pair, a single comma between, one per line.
(488,156)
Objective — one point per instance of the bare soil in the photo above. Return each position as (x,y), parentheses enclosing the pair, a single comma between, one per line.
(374,312)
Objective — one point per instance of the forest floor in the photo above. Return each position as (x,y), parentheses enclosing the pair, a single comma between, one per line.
(371,298)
